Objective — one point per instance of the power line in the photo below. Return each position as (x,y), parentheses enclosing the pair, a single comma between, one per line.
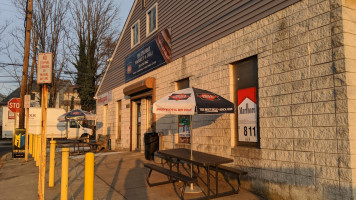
(13,64)
(8,82)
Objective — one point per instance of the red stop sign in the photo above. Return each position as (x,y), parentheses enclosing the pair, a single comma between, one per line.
(14,105)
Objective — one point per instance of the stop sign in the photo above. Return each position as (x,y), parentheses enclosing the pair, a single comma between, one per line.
(14,105)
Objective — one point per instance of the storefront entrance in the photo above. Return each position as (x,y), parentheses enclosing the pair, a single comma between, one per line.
(136,125)
(141,118)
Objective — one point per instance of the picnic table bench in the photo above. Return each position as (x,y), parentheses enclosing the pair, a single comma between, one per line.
(237,172)
(100,143)
(170,174)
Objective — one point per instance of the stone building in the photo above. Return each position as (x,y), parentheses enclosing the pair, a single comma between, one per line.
(299,58)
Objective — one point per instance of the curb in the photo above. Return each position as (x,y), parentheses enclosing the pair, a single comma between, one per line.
(3,158)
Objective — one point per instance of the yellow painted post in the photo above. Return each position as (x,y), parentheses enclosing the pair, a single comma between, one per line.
(52,163)
(30,147)
(64,179)
(38,150)
(34,147)
(89,176)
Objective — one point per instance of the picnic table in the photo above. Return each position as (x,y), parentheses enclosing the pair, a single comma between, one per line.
(75,143)
(200,159)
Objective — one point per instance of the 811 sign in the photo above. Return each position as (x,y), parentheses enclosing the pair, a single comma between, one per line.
(14,105)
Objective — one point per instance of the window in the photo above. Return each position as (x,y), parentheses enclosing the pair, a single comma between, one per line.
(181,84)
(118,111)
(143,4)
(73,124)
(245,77)
(105,124)
(152,19)
(135,34)
(33,96)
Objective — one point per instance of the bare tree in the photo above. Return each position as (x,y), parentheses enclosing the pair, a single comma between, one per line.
(2,33)
(50,22)
(15,47)
(95,24)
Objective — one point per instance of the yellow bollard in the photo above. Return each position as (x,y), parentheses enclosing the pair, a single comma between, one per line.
(38,151)
(34,147)
(52,163)
(89,177)
(64,179)
(30,144)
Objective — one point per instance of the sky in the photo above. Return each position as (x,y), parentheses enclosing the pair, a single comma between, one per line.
(8,15)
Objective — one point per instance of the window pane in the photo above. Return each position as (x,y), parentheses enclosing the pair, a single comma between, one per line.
(135,34)
(152,19)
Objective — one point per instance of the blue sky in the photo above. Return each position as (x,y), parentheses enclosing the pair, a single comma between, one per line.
(9,14)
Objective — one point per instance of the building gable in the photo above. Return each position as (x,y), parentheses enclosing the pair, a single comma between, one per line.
(193,25)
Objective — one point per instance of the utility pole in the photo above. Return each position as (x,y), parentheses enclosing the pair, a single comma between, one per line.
(25,62)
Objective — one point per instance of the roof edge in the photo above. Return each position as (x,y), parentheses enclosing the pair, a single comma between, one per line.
(117,46)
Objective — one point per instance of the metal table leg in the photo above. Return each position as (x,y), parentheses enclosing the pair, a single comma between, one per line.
(216,180)
(208,180)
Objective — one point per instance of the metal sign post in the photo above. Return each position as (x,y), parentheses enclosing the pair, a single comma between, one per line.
(14,106)
(27,107)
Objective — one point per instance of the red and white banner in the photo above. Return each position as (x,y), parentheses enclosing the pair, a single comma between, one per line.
(247,114)
(181,102)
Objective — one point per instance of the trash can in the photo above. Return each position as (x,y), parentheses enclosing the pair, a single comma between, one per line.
(151,145)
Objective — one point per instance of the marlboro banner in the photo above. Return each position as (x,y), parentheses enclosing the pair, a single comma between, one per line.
(247,114)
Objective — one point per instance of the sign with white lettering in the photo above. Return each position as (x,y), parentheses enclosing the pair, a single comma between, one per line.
(247,114)
(44,68)
(150,56)
(18,143)
(14,105)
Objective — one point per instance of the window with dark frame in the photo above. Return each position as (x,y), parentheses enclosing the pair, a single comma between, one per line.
(143,4)
(33,96)
(246,101)
(151,17)
(135,34)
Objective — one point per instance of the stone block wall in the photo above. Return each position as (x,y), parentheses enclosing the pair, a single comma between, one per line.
(307,101)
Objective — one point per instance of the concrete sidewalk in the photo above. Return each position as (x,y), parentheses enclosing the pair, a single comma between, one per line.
(118,175)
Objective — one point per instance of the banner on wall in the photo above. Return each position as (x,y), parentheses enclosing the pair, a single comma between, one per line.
(247,114)
(18,143)
(150,56)
(104,98)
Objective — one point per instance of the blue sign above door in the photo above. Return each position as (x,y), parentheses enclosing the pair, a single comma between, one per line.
(150,56)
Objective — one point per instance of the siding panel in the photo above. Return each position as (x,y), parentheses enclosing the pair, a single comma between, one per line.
(194,24)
